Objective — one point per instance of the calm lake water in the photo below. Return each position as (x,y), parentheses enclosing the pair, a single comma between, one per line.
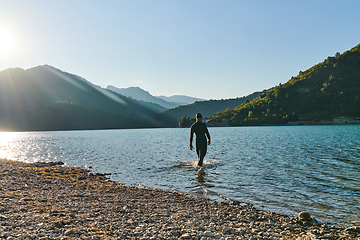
(283,169)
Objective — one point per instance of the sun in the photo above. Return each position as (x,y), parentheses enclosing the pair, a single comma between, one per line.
(5,42)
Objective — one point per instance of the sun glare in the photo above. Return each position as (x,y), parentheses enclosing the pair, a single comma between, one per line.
(5,42)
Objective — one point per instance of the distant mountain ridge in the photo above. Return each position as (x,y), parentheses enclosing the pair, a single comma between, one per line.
(46,98)
(181,99)
(142,95)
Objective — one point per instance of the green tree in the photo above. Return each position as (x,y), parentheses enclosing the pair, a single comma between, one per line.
(186,122)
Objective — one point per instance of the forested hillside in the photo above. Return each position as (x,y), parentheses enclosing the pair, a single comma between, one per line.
(46,98)
(327,90)
(171,117)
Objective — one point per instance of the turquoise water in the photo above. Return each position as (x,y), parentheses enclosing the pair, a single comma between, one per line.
(284,169)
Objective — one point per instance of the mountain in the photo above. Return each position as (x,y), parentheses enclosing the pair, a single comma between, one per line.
(46,98)
(171,117)
(142,95)
(325,91)
(180,99)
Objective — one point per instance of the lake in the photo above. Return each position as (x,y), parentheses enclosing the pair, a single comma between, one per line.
(286,169)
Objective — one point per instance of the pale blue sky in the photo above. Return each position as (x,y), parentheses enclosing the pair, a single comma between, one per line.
(200,48)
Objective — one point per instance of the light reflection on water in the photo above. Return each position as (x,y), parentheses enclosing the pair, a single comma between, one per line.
(285,169)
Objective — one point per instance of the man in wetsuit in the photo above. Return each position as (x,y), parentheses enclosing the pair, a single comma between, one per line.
(200,130)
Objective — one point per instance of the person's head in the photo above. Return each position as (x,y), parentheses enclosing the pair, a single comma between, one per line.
(198,117)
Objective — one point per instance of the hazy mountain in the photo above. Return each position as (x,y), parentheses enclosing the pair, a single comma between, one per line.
(327,90)
(46,98)
(180,99)
(142,95)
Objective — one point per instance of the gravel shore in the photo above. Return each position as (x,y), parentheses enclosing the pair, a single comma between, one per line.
(46,201)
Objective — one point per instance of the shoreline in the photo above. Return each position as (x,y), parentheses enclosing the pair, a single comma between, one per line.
(48,201)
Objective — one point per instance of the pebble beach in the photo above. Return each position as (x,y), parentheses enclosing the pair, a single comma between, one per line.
(50,201)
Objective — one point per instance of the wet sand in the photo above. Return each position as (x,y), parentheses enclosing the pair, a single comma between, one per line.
(46,201)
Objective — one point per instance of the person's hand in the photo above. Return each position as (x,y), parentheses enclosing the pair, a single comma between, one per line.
(208,142)
(191,147)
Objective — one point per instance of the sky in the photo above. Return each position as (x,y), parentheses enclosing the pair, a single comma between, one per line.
(200,48)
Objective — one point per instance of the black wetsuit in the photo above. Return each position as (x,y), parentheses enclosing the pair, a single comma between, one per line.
(200,130)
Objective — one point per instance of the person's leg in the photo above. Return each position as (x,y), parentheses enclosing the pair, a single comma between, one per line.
(201,151)
(198,151)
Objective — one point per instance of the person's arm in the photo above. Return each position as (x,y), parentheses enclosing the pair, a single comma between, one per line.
(191,138)
(208,136)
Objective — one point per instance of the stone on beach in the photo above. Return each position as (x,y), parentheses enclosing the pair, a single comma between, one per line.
(305,216)
(208,234)
(185,236)
(355,229)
